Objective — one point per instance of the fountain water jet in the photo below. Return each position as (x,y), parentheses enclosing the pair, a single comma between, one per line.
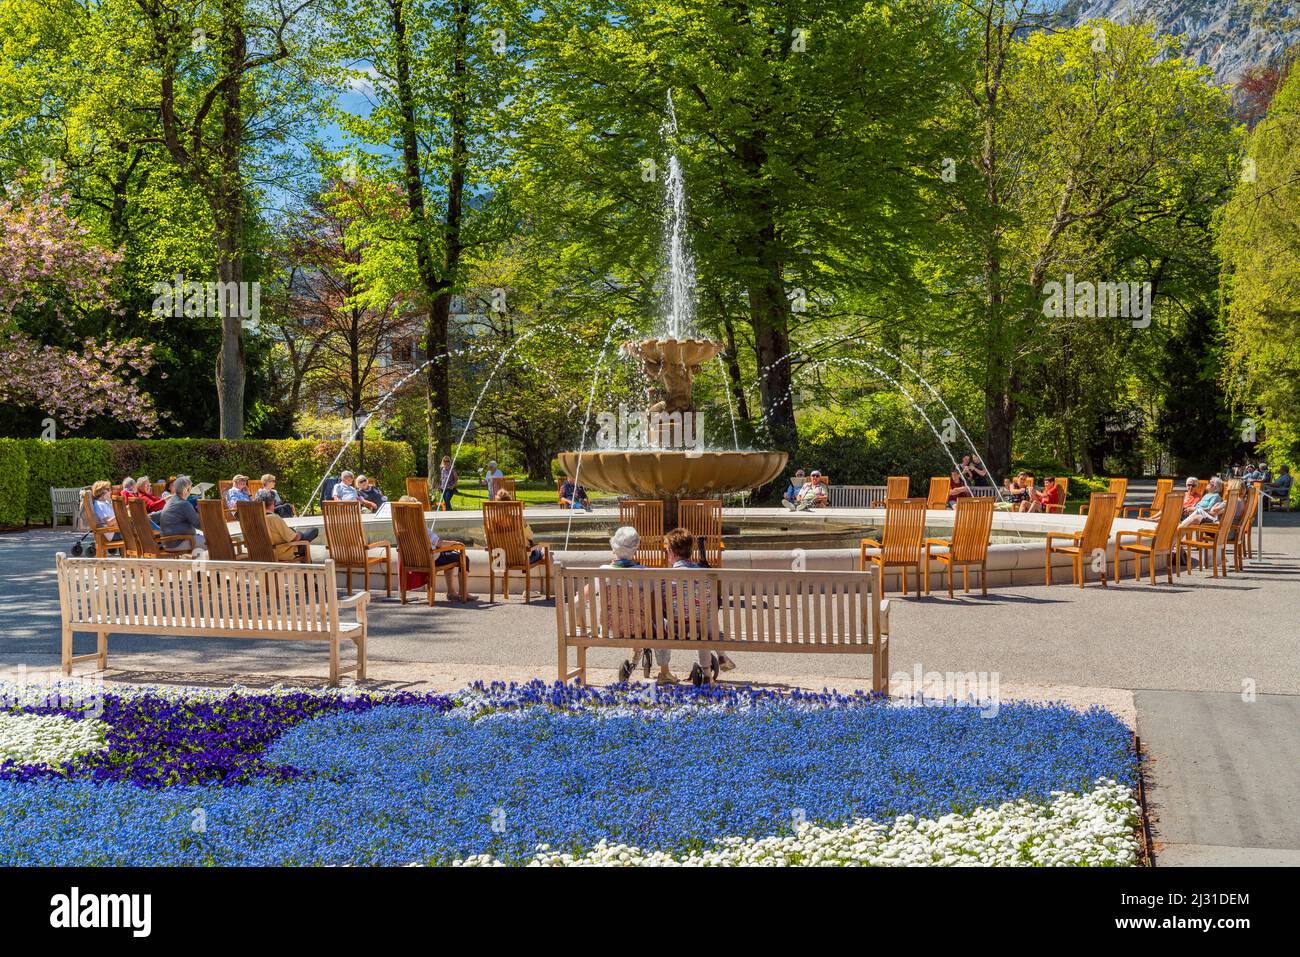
(671,363)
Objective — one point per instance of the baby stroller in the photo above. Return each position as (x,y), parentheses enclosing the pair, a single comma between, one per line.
(79,548)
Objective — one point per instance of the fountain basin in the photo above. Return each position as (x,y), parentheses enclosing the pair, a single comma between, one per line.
(654,473)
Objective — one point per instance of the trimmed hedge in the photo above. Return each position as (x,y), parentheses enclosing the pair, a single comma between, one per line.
(30,467)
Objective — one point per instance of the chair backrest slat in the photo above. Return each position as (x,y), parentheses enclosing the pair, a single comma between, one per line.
(896,486)
(1163,488)
(971,526)
(1101,514)
(503,527)
(344,535)
(146,545)
(418,488)
(940,486)
(1170,510)
(216,533)
(412,536)
(702,517)
(904,530)
(647,517)
(257,537)
(1119,488)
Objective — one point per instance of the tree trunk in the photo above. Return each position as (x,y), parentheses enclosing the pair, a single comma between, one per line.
(731,359)
(768,313)
(228,202)
(436,288)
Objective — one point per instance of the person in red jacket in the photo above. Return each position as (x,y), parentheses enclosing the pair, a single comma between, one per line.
(1050,495)
(144,490)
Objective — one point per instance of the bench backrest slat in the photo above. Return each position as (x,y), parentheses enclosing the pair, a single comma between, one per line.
(198,595)
(760,606)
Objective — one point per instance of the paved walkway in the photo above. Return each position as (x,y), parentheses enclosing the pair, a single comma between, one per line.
(1174,659)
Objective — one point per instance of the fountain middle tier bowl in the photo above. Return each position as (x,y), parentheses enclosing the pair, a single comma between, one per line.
(651,473)
(683,352)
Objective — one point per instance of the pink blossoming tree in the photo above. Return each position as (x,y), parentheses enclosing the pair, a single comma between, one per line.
(51,270)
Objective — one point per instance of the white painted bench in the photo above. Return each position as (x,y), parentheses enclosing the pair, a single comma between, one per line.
(724,609)
(282,600)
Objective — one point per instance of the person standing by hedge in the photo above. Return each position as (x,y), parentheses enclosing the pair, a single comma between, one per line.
(448,479)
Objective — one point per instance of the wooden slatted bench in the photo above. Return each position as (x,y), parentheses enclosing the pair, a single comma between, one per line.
(281,600)
(722,609)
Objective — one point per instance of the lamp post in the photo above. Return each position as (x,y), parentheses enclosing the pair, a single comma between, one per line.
(359,420)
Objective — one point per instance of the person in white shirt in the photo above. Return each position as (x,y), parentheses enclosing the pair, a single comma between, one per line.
(492,477)
(345,489)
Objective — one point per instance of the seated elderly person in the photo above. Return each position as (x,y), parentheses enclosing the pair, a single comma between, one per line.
(447,556)
(101,503)
(1281,488)
(573,496)
(180,517)
(812,495)
(345,489)
(282,508)
(144,490)
(368,494)
(1191,496)
(1209,508)
(238,492)
(790,497)
(288,543)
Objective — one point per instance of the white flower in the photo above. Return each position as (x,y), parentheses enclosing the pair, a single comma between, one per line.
(47,738)
(1092,829)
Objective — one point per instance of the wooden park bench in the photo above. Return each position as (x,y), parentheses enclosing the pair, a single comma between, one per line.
(721,609)
(65,503)
(202,598)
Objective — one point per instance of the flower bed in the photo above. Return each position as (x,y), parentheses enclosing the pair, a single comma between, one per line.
(563,775)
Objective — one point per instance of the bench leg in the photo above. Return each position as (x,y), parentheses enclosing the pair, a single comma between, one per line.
(67,650)
(103,651)
(334,661)
(582,664)
(361,653)
(528,582)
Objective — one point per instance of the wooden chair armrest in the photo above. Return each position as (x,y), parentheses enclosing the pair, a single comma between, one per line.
(1072,536)
(1083,509)
(175,538)
(1059,507)
(871,543)
(357,601)
(938,541)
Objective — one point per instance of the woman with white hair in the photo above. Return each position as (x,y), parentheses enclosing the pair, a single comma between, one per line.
(180,517)
(624,544)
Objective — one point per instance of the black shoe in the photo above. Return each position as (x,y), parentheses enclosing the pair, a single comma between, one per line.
(625,672)
(647,661)
(713,666)
(697,675)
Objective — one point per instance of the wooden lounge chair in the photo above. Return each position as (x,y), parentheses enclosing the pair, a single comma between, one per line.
(1211,538)
(702,517)
(1085,544)
(647,517)
(510,550)
(418,488)
(510,485)
(417,555)
(969,544)
(216,532)
(1151,542)
(900,542)
(257,536)
(1059,507)
(150,544)
(896,486)
(345,537)
(1117,487)
(937,497)
(1152,512)
(107,538)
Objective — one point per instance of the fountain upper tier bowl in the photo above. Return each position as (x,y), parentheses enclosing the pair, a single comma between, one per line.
(655,473)
(684,352)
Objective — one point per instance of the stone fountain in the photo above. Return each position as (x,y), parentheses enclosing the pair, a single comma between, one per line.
(670,463)
(663,469)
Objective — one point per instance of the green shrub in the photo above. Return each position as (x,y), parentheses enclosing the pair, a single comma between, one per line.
(65,463)
(13,482)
